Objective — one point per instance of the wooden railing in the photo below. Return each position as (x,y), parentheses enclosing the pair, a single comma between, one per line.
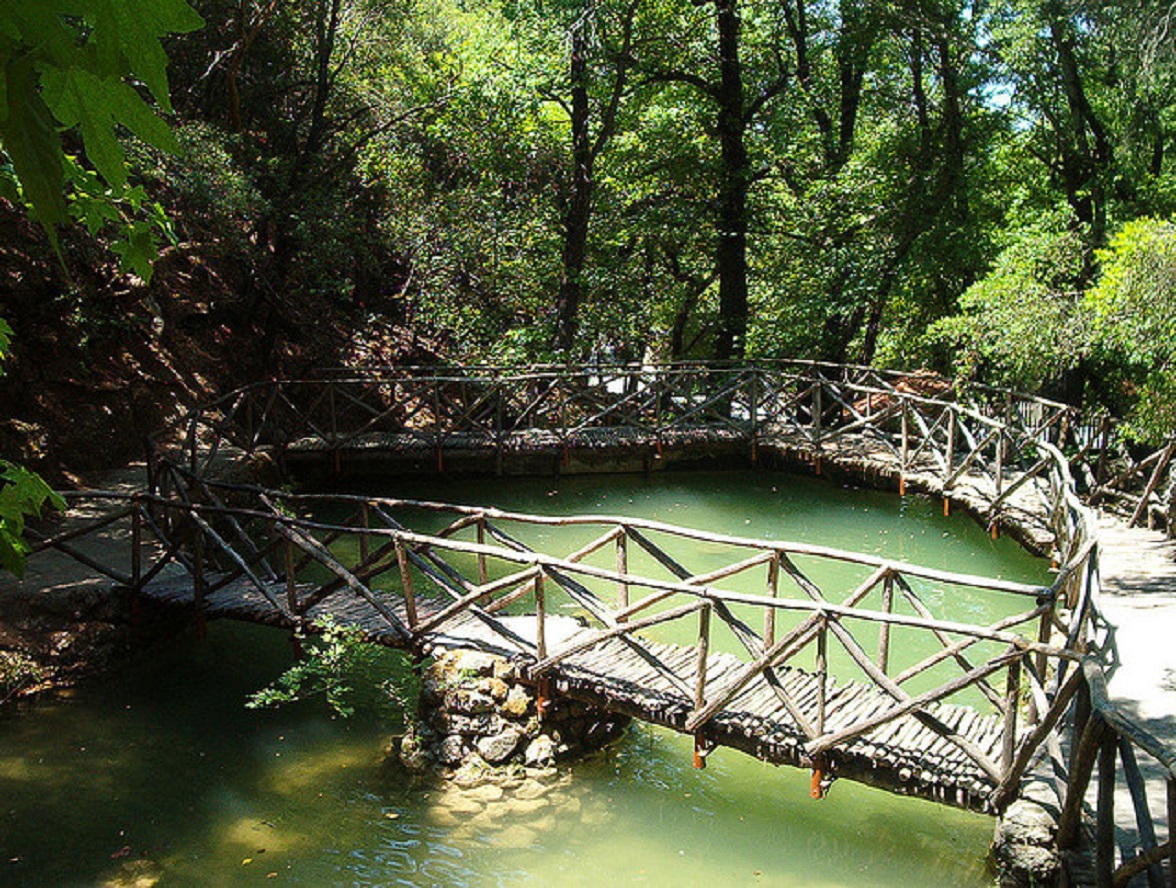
(1006,446)
(476,566)
(1105,738)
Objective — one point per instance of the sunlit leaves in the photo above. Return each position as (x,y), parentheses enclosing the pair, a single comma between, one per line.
(1024,324)
(22,494)
(1134,309)
(79,63)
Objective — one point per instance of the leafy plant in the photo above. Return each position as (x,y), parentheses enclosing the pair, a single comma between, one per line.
(1135,319)
(76,63)
(22,495)
(17,672)
(336,658)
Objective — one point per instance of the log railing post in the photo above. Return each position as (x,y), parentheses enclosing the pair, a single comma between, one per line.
(365,521)
(1012,702)
(291,578)
(1171,830)
(1143,510)
(136,547)
(818,409)
(540,617)
(753,411)
(949,455)
(1104,854)
(198,579)
(483,573)
(1087,732)
(883,627)
(1143,818)
(822,672)
(499,430)
(406,585)
(904,447)
(1100,466)
(773,591)
(704,619)
(623,569)
(1000,449)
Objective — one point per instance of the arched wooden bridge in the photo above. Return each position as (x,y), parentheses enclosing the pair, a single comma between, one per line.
(763,652)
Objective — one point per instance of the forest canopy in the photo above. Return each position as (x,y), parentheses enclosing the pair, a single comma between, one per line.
(982,188)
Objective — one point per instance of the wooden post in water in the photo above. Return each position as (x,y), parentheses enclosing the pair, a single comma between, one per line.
(704,615)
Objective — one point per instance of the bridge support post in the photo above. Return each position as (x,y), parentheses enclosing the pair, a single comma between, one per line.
(702,749)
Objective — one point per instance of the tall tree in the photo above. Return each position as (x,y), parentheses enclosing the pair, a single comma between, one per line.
(724,88)
(586,45)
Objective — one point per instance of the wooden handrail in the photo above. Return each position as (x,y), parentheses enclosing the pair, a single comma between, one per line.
(1010,439)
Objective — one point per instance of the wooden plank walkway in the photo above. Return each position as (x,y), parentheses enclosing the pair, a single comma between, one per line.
(902,756)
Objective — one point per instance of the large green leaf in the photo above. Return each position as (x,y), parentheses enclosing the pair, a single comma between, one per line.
(29,136)
(95,105)
(131,30)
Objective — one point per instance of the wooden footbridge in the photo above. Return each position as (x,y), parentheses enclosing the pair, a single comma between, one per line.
(845,663)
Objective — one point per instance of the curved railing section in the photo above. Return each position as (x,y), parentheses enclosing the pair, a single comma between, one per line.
(1002,454)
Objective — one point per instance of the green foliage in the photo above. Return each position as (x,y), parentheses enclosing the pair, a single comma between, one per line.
(72,63)
(1024,323)
(1134,310)
(23,494)
(17,672)
(338,664)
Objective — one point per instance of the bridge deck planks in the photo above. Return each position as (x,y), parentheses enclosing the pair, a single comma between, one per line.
(903,755)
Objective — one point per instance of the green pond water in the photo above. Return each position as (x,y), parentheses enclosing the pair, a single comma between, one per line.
(159,775)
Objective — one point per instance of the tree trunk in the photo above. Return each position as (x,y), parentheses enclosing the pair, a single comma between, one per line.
(578,211)
(731,254)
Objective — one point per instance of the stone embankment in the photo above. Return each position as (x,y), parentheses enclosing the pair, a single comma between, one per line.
(479,722)
(490,758)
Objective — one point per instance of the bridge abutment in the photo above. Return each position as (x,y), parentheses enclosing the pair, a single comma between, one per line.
(479,722)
